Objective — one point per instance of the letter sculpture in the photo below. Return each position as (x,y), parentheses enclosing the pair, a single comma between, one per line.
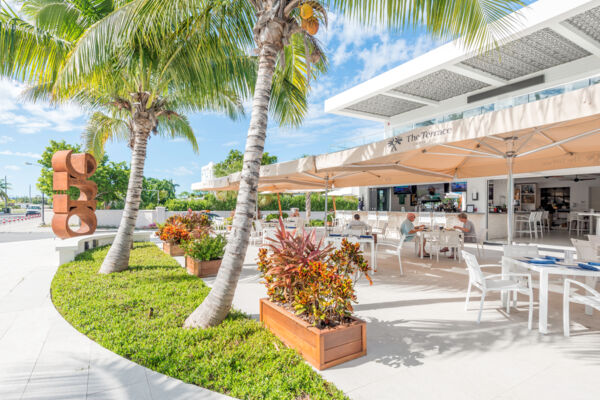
(73,170)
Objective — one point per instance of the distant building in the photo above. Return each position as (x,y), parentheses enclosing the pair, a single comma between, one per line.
(208,172)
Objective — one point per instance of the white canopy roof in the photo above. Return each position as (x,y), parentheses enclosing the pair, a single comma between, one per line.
(555,133)
(556,42)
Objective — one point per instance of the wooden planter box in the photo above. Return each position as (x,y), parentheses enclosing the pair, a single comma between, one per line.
(202,268)
(322,348)
(172,249)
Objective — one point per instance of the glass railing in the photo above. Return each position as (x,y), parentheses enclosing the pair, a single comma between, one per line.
(501,104)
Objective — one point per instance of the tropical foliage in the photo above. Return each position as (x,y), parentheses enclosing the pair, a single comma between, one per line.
(235,160)
(314,281)
(205,248)
(272,217)
(173,233)
(4,187)
(266,202)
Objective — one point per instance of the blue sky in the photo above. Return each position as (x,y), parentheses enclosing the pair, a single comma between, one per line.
(355,54)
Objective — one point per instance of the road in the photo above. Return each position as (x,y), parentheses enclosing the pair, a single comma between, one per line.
(28,229)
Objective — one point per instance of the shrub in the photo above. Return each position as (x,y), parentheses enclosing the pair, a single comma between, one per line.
(271,217)
(316,222)
(311,280)
(175,227)
(206,248)
(173,233)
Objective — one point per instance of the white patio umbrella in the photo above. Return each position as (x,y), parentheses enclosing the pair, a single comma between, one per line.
(555,133)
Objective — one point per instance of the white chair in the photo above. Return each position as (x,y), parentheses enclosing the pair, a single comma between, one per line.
(268,233)
(256,233)
(586,251)
(538,222)
(496,282)
(546,220)
(452,240)
(480,241)
(595,239)
(526,224)
(581,224)
(590,300)
(392,248)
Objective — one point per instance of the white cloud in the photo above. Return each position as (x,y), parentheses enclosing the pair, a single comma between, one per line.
(6,139)
(31,118)
(19,154)
(12,167)
(231,143)
(180,171)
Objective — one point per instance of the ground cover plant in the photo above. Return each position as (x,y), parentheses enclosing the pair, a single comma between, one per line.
(139,314)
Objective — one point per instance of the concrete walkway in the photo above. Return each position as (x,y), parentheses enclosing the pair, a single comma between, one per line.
(43,357)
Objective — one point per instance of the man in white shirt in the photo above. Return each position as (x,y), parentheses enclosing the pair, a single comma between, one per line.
(356,223)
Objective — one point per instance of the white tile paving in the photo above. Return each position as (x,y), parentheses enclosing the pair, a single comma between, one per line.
(43,357)
(422,344)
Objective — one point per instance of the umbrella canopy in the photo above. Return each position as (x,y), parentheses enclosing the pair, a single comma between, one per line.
(555,133)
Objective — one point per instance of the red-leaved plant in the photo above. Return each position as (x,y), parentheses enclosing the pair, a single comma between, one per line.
(311,279)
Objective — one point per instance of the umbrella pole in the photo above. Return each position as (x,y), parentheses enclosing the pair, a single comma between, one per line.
(510,195)
(326,188)
(279,204)
(334,208)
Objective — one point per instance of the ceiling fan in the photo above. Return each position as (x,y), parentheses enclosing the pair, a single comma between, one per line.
(577,179)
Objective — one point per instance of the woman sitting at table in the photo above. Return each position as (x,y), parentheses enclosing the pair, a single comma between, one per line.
(468,228)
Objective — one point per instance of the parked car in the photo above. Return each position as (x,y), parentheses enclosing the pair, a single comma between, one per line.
(33,210)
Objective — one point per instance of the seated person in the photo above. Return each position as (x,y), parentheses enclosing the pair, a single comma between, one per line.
(357,224)
(468,228)
(408,229)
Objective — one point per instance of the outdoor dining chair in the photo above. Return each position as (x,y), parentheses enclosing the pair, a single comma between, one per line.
(496,282)
(453,241)
(527,224)
(480,241)
(586,250)
(589,298)
(392,247)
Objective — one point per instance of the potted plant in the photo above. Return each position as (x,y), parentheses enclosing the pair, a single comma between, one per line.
(178,228)
(310,294)
(172,234)
(203,255)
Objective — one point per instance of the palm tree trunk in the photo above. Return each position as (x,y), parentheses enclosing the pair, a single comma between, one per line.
(216,305)
(117,259)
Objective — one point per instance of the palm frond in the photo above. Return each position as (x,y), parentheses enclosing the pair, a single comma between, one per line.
(100,129)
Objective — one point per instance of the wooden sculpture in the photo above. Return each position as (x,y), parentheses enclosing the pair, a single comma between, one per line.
(73,170)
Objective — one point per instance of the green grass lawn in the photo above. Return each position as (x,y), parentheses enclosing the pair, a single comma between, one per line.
(139,314)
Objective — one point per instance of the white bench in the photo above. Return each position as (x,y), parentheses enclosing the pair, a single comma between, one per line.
(67,249)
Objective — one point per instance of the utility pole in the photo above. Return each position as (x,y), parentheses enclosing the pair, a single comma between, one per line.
(6,193)
(43,220)
(30,202)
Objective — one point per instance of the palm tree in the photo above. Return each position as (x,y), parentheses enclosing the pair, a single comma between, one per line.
(146,74)
(278,23)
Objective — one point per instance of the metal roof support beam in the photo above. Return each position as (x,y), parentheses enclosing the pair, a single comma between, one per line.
(471,150)
(410,97)
(399,167)
(476,74)
(560,142)
(576,36)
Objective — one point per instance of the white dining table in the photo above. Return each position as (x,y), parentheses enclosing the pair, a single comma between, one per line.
(370,240)
(592,216)
(544,271)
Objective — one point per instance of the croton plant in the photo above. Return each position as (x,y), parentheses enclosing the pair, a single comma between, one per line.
(178,228)
(312,280)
